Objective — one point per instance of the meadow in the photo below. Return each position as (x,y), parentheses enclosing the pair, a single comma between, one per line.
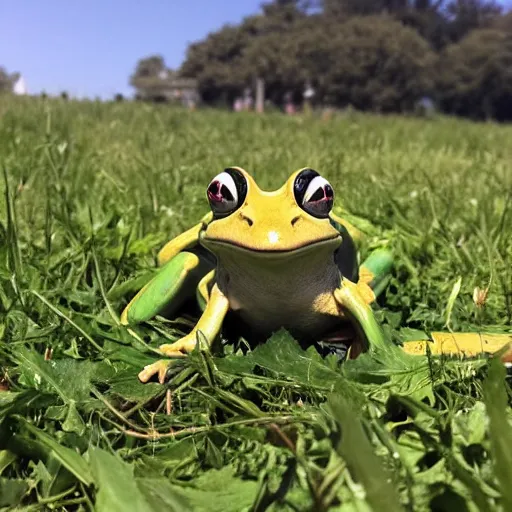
(91,192)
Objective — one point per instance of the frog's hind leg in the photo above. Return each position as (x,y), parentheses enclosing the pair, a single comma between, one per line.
(374,275)
(354,298)
(171,287)
(355,307)
(375,271)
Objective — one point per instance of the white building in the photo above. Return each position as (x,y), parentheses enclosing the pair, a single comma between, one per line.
(20,87)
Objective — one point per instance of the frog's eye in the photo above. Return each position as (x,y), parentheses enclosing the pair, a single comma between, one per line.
(227,191)
(314,193)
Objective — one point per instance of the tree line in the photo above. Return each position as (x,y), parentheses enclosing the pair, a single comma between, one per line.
(372,55)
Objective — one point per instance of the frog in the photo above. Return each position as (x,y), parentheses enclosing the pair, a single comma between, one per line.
(270,260)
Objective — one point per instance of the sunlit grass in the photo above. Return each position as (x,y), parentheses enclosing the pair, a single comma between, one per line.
(92,191)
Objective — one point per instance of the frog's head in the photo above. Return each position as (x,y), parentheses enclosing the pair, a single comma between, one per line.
(291,220)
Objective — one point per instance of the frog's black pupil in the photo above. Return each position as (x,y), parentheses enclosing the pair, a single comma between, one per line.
(226,193)
(318,195)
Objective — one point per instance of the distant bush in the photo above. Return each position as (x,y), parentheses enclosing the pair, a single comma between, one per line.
(374,63)
(475,76)
(379,55)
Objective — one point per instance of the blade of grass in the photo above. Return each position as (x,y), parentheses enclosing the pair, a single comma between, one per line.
(59,313)
(496,402)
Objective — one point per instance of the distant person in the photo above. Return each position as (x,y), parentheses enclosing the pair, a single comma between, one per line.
(289,107)
(189,100)
(248,101)
(238,105)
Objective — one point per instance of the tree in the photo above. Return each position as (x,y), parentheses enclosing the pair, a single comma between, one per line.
(153,81)
(372,54)
(148,76)
(475,76)
(503,22)
(439,21)
(467,15)
(428,18)
(371,63)
(7,80)
(215,63)
(347,8)
(229,60)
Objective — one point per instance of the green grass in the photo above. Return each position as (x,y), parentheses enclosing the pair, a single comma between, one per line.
(92,192)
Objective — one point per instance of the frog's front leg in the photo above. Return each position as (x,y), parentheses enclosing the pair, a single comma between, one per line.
(209,325)
(351,300)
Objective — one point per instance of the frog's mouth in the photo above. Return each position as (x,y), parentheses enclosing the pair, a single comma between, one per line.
(270,251)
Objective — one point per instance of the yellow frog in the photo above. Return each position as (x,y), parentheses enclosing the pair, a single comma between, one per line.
(273,260)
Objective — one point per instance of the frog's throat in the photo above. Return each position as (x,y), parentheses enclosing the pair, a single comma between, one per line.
(213,243)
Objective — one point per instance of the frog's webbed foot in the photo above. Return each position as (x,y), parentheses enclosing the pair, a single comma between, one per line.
(207,329)
(180,347)
(159,368)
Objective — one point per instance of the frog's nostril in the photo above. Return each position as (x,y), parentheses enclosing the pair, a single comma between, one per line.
(247,219)
(295,220)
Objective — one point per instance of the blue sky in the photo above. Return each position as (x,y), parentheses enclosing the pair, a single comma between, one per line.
(90,48)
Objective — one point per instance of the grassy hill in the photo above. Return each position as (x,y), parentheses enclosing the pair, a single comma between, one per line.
(91,193)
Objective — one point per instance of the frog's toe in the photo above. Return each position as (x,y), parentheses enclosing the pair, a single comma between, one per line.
(159,368)
(179,348)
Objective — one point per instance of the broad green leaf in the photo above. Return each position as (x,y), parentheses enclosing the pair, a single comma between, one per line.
(357,451)
(73,421)
(411,449)
(127,385)
(407,334)
(69,458)
(220,491)
(19,403)
(117,487)
(8,397)
(471,425)
(282,355)
(59,376)
(400,372)
(162,495)
(213,455)
(6,459)
(12,492)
